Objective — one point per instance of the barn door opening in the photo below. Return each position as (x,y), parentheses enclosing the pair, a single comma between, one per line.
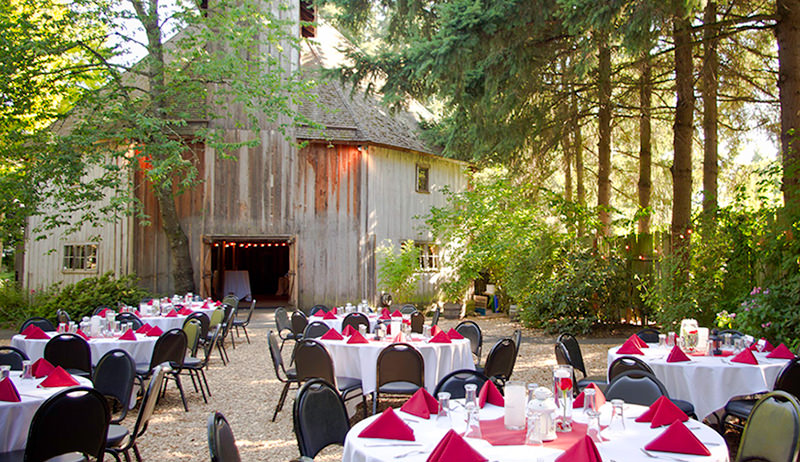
(252,268)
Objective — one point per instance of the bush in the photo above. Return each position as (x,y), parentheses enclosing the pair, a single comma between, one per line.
(81,298)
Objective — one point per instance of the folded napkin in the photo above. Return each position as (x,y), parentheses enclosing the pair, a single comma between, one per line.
(441,337)
(334,310)
(745,357)
(599,397)
(8,392)
(678,438)
(629,348)
(319,314)
(36,333)
(357,338)
(59,378)
(582,451)
(41,368)
(399,338)
(171,314)
(328,315)
(128,335)
(435,330)
(388,426)
(144,329)
(150,302)
(155,332)
(83,334)
(103,312)
(386,312)
(453,448)
(332,335)
(490,394)
(185,311)
(450,333)
(421,404)
(647,416)
(677,355)
(781,352)
(385,316)
(27,330)
(348,330)
(638,341)
(767,346)
(667,413)
(397,314)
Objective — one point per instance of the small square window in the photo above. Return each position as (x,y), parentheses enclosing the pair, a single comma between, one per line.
(428,256)
(80,257)
(423,178)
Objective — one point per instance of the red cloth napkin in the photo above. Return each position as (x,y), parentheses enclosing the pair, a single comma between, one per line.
(328,315)
(490,394)
(185,311)
(767,346)
(385,315)
(638,341)
(745,357)
(155,332)
(144,329)
(647,416)
(128,335)
(348,330)
(83,334)
(103,312)
(599,397)
(450,333)
(171,314)
(435,330)
(678,438)
(677,355)
(357,338)
(666,413)
(332,335)
(41,368)
(629,348)
(36,333)
(781,352)
(8,392)
(319,314)
(399,338)
(27,330)
(441,337)
(59,378)
(388,426)
(582,451)
(397,314)
(453,448)
(421,404)
(334,310)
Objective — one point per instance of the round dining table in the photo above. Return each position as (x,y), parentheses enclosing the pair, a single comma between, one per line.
(337,323)
(141,350)
(15,418)
(625,447)
(708,382)
(359,360)
(166,323)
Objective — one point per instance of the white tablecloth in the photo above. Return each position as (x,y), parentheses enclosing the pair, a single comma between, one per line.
(237,283)
(360,360)
(337,323)
(621,449)
(15,418)
(708,382)
(141,350)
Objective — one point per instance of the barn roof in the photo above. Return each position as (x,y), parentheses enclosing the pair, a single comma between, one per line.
(352,116)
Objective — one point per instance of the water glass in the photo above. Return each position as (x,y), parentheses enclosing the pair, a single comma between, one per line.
(27,369)
(514,416)
(426,332)
(662,340)
(473,421)
(443,416)
(670,339)
(533,437)
(617,425)
(5,371)
(593,427)
(471,394)
(589,401)
(62,328)
(738,345)
(362,329)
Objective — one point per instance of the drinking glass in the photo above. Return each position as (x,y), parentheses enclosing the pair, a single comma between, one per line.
(443,416)
(671,339)
(362,329)
(617,425)
(27,372)
(593,427)
(562,385)
(738,345)
(589,401)
(5,371)
(514,416)
(662,340)
(426,332)
(533,436)
(473,421)
(470,394)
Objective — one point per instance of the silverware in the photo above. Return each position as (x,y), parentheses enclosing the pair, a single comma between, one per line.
(653,456)
(417,451)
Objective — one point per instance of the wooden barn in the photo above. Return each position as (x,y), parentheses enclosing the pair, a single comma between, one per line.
(281,224)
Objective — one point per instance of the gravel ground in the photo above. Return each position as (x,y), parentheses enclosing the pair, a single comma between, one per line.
(246,392)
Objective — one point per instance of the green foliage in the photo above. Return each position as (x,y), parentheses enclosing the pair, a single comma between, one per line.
(399,269)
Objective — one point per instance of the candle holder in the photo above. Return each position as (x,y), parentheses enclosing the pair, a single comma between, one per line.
(562,385)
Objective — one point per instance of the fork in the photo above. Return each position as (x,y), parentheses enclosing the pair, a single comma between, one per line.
(648,454)
(417,451)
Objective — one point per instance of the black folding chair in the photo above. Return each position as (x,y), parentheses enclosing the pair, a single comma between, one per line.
(313,361)
(71,421)
(627,363)
(417,322)
(71,352)
(454,382)
(314,309)
(315,330)
(773,429)
(574,357)
(136,321)
(472,331)
(39,322)
(408,309)
(320,418)
(114,377)
(500,360)
(284,326)
(221,443)
(243,323)
(400,370)
(354,320)
(648,335)
(287,377)
(170,348)
(10,356)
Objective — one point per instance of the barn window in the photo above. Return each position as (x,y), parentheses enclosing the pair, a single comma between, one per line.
(80,257)
(308,16)
(428,256)
(423,178)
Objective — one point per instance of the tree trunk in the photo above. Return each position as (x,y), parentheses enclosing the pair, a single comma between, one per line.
(567,148)
(577,154)
(787,31)
(682,134)
(604,135)
(180,258)
(710,118)
(645,142)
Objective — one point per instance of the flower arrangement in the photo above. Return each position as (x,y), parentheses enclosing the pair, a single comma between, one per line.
(725,320)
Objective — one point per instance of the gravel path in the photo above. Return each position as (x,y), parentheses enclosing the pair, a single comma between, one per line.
(246,392)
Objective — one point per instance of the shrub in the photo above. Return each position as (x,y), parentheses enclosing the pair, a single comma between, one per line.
(398,272)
